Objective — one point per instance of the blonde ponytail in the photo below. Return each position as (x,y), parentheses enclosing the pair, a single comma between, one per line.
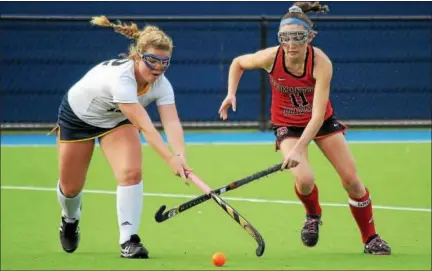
(150,36)
(131,31)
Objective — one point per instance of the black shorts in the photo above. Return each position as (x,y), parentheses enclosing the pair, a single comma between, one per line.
(330,126)
(70,128)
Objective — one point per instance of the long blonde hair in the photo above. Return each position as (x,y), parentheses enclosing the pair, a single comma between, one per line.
(149,37)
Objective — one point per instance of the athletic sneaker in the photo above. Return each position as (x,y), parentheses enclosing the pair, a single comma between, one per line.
(133,249)
(69,235)
(377,246)
(310,230)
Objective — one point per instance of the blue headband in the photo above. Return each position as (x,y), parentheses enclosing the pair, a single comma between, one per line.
(295,21)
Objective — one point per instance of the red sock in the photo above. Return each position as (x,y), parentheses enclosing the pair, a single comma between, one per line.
(361,209)
(310,202)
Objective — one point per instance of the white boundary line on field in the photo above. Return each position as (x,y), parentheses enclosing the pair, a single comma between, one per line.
(18,145)
(184,196)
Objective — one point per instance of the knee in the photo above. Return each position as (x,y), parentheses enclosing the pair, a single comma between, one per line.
(351,183)
(129,176)
(70,191)
(304,183)
(349,179)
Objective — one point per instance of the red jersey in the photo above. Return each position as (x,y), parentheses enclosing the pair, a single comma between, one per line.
(292,95)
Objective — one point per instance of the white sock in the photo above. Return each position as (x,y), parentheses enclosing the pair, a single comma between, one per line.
(129,208)
(70,206)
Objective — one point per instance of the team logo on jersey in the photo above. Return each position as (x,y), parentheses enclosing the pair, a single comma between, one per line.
(281,131)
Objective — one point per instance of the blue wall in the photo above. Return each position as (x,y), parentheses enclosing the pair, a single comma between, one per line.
(382,70)
(208,8)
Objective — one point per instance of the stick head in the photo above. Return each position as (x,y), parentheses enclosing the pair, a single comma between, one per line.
(159,217)
(260,249)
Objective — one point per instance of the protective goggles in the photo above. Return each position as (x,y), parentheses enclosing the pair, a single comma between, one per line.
(153,61)
(294,37)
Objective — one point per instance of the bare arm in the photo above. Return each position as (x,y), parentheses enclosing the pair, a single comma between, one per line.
(324,72)
(139,117)
(173,128)
(262,59)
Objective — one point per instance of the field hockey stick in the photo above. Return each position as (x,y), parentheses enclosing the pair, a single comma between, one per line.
(246,225)
(162,216)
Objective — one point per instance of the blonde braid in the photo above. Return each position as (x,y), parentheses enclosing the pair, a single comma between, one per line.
(149,36)
(131,31)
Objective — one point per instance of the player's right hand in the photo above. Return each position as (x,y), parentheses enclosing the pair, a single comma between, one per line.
(182,158)
(229,101)
(176,165)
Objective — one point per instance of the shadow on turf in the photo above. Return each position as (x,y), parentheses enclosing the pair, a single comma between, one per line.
(101,254)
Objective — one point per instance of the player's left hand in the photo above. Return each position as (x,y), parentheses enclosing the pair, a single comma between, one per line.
(292,159)
(184,164)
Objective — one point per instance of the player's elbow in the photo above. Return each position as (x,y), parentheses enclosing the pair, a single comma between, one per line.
(245,62)
(236,64)
(138,116)
(129,110)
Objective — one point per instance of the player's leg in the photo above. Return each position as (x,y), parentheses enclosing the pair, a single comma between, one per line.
(304,186)
(74,159)
(122,149)
(336,149)
(75,150)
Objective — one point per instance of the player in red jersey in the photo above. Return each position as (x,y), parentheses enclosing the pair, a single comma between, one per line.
(301,111)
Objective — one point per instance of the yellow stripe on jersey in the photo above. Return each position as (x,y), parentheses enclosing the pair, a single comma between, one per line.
(144,90)
(58,129)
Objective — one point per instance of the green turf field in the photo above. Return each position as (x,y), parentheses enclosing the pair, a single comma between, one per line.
(398,175)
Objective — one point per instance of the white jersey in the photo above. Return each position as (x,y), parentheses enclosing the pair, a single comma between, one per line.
(94,98)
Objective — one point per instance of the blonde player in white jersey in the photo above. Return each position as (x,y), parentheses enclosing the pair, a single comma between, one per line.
(108,104)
